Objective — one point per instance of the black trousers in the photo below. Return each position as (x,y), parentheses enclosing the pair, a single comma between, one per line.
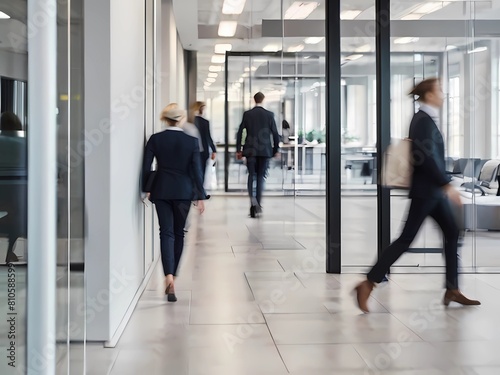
(203,159)
(172,215)
(257,168)
(440,210)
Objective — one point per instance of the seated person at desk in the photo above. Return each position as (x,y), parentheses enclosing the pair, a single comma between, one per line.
(13,182)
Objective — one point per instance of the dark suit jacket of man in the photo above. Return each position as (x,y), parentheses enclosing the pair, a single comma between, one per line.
(206,139)
(178,175)
(429,175)
(260,126)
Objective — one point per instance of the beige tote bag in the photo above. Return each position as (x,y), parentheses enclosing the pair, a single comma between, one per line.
(398,167)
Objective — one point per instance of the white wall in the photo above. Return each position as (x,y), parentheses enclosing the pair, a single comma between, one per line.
(126,209)
(173,88)
(97,65)
(115,76)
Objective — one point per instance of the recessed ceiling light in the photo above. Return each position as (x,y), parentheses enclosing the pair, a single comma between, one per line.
(412,17)
(297,48)
(233,6)
(253,69)
(211,80)
(405,40)
(4,16)
(227,28)
(313,40)
(241,80)
(363,49)
(208,83)
(213,75)
(349,14)
(300,10)
(222,48)
(237,84)
(354,57)
(271,48)
(431,7)
(478,49)
(218,59)
(214,68)
(245,75)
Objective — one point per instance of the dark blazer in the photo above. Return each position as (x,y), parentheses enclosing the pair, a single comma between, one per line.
(429,175)
(178,175)
(206,139)
(260,126)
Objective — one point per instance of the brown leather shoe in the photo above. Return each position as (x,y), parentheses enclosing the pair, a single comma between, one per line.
(454,295)
(363,291)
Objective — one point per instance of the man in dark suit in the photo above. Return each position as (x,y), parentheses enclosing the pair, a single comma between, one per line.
(203,127)
(258,149)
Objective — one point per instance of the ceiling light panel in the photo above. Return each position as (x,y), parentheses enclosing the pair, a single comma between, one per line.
(478,49)
(406,40)
(349,14)
(227,28)
(222,48)
(300,10)
(354,57)
(214,68)
(271,48)
(233,6)
(4,16)
(363,49)
(211,80)
(431,7)
(412,17)
(218,59)
(297,48)
(313,40)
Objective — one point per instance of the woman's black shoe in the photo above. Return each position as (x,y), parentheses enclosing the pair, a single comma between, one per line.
(253,211)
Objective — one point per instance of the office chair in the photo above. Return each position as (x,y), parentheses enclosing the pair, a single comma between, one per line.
(487,177)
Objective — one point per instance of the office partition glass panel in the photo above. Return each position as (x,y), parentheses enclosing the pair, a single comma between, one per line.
(481,59)
(71,312)
(438,40)
(14,133)
(297,99)
(359,138)
(284,60)
(70,319)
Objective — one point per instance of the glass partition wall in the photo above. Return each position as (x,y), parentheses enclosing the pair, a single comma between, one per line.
(294,85)
(14,179)
(278,55)
(457,41)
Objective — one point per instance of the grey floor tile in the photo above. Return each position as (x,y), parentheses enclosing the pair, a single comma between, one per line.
(321,358)
(254,298)
(403,355)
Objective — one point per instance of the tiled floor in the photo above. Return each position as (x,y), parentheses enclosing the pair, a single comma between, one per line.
(254,299)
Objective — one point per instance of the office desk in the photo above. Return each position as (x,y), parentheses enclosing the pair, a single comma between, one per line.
(306,162)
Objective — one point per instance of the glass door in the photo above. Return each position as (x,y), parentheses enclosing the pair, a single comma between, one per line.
(294,86)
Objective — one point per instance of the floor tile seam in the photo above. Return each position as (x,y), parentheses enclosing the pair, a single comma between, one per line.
(249,286)
(402,323)
(275,344)
(112,366)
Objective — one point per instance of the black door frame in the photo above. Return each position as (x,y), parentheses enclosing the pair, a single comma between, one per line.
(333,129)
